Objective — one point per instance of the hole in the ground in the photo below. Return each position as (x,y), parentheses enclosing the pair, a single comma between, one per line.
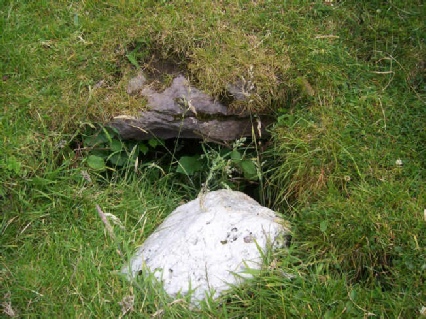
(194,164)
(158,66)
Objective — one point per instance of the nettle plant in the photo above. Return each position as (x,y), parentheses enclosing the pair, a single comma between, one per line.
(106,150)
(218,167)
(214,166)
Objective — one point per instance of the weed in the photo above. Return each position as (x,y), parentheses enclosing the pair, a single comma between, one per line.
(223,165)
(103,146)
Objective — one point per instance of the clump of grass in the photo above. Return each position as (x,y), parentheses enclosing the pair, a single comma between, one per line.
(346,176)
(218,51)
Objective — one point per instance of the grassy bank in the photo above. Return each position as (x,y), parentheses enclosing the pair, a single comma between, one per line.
(345,164)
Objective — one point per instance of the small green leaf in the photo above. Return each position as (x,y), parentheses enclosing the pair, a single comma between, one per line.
(96,162)
(13,165)
(109,135)
(94,140)
(249,169)
(235,155)
(143,148)
(132,58)
(119,159)
(319,269)
(329,315)
(153,142)
(76,23)
(100,153)
(116,145)
(323,226)
(189,165)
(353,294)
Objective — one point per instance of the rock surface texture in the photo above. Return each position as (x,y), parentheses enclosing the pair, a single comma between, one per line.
(204,242)
(183,111)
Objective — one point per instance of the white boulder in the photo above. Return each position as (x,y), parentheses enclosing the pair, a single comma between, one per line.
(202,244)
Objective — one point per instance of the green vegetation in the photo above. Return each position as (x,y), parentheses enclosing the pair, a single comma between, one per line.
(345,164)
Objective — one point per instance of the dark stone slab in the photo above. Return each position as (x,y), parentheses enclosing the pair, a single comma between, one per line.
(183,111)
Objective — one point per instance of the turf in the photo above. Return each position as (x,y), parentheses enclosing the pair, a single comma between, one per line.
(345,164)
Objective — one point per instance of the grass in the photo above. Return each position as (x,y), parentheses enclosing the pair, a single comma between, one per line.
(345,164)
